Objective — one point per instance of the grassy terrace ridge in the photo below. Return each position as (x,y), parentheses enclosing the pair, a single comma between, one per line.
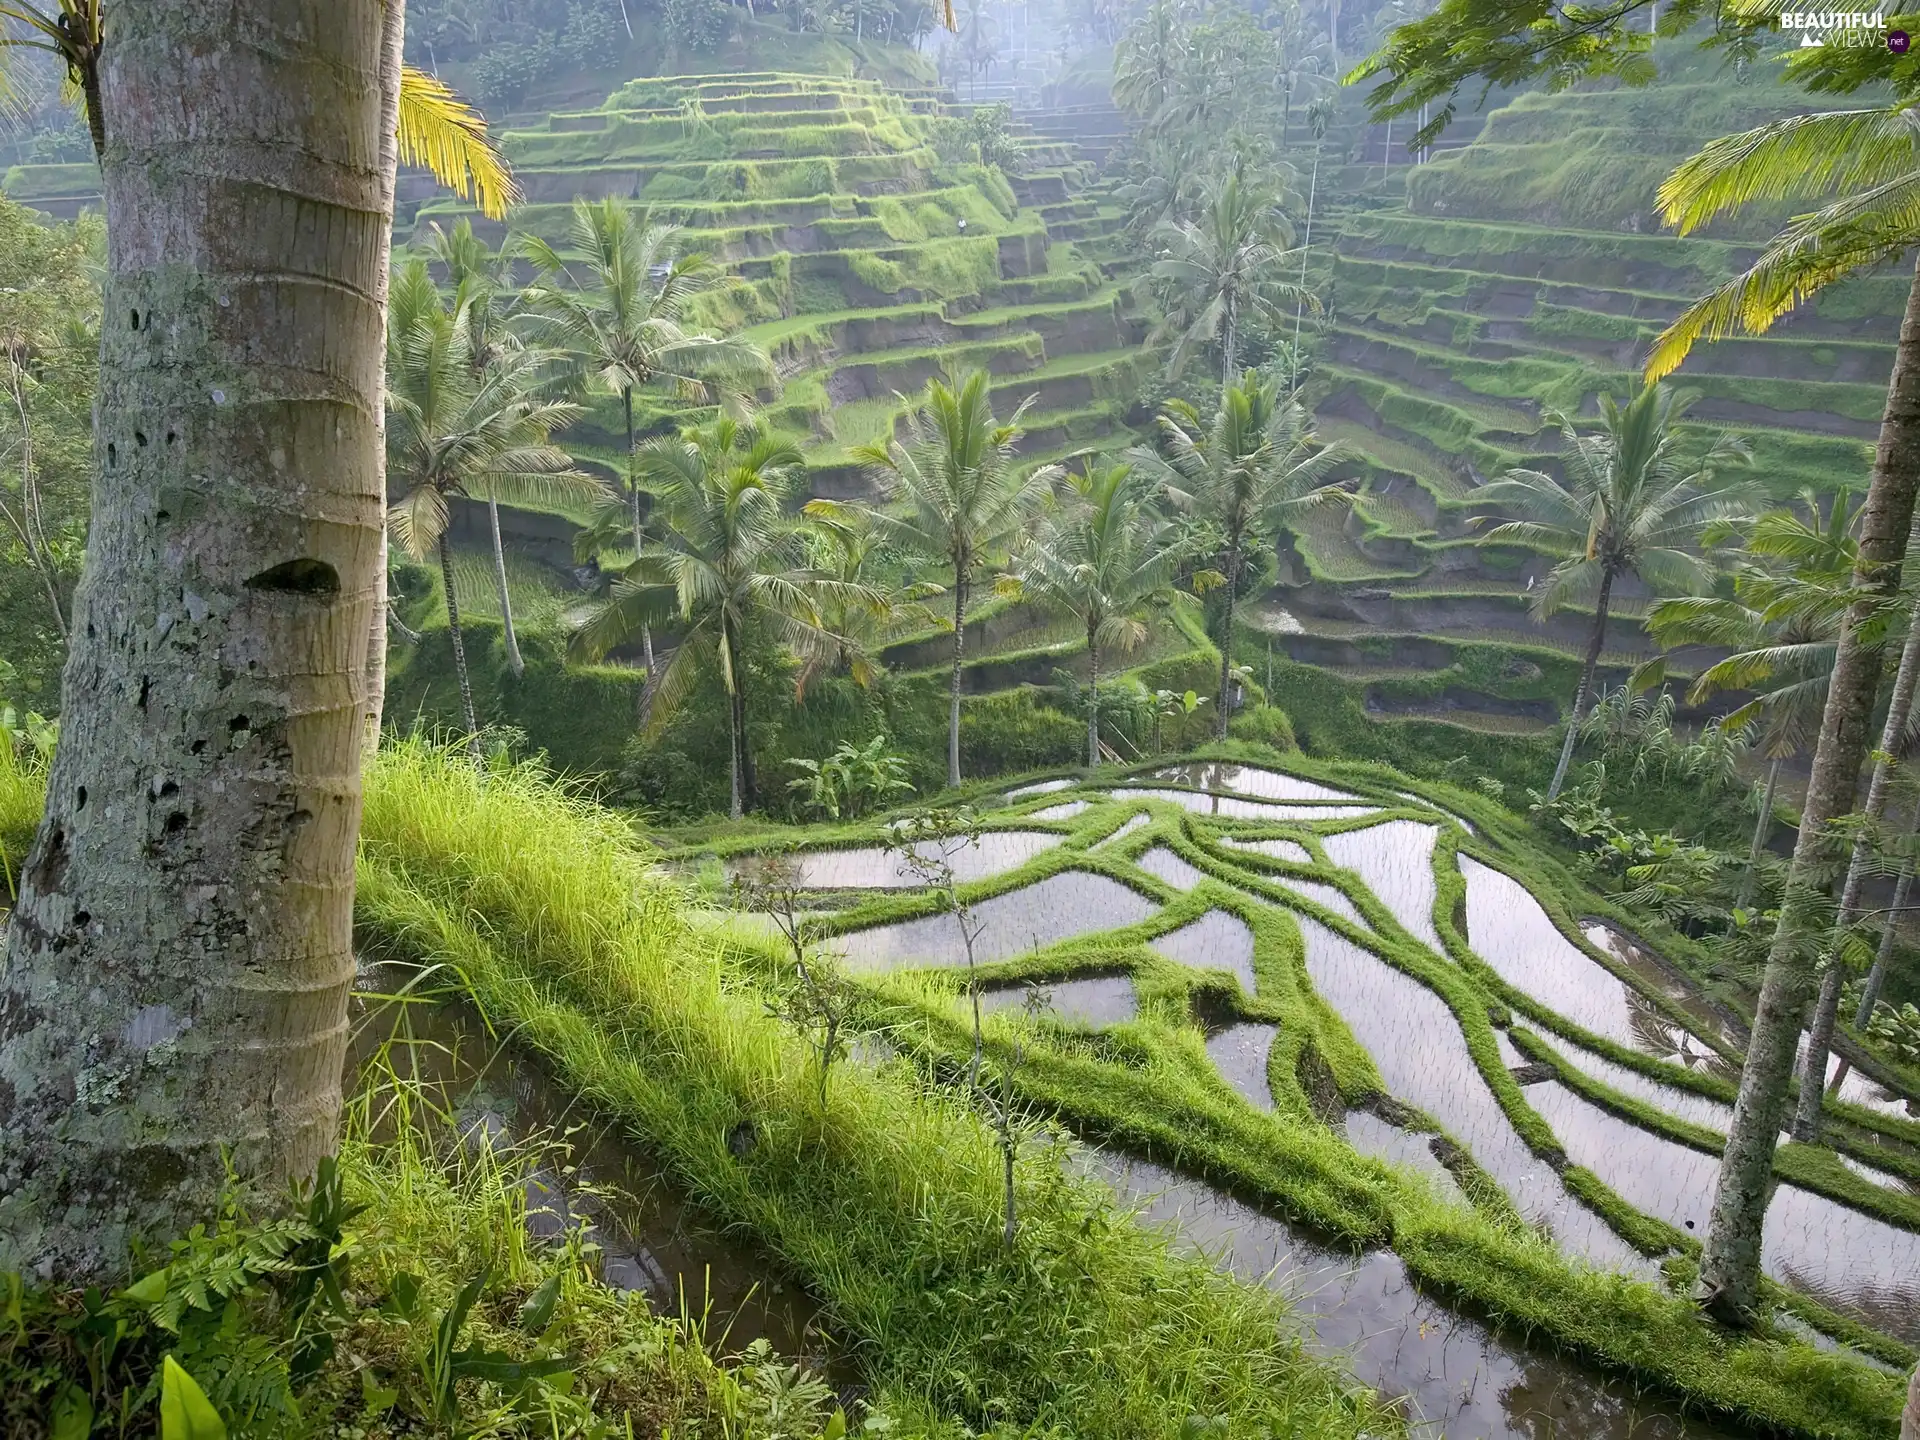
(1143,1085)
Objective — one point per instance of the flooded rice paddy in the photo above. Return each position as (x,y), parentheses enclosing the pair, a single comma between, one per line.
(1031,918)
(1456,1377)
(882,867)
(1246,780)
(1059,812)
(1396,862)
(1473,1385)
(1216,941)
(1040,787)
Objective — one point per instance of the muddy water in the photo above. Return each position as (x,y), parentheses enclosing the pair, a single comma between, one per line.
(877,867)
(1328,897)
(1278,849)
(1054,909)
(1853,1262)
(1245,780)
(1231,807)
(652,1239)
(1396,862)
(1416,1043)
(1458,1377)
(1508,929)
(1092,1000)
(1163,864)
(1239,1053)
(1216,941)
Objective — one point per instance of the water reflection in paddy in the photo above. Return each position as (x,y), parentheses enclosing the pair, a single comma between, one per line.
(878,867)
(1411,1149)
(1233,808)
(1091,1000)
(1507,928)
(1054,909)
(1246,780)
(1059,812)
(1328,897)
(1137,822)
(1396,862)
(1163,864)
(1464,1381)
(1291,850)
(1853,1262)
(1670,1099)
(1416,1044)
(1216,941)
(1239,1053)
(1041,787)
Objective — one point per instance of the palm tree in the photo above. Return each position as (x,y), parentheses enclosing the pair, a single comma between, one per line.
(1863,165)
(1222,269)
(1254,470)
(453,430)
(617,299)
(953,493)
(482,280)
(730,564)
(1779,623)
(1633,503)
(872,611)
(1100,554)
(1147,59)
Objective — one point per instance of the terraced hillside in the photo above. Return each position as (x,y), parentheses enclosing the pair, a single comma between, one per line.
(858,258)
(1381,1014)
(1516,273)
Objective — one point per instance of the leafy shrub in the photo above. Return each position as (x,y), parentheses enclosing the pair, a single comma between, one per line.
(1263,725)
(852,780)
(698,25)
(1016,730)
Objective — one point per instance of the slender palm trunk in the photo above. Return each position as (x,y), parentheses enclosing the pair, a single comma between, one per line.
(639,543)
(392,51)
(1584,695)
(1826,1010)
(1870,992)
(1229,345)
(1730,1266)
(1093,698)
(174,1008)
(1226,636)
(468,716)
(1762,826)
(514,662)
(1306,244)
(959,654)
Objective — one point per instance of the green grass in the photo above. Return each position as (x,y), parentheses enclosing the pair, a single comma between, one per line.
(887,1201)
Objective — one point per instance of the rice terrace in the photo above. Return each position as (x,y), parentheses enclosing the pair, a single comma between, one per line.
(902,720)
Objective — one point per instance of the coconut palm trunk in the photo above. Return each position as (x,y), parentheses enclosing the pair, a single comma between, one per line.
(514,662)
(1730,1266)
(1876,977)
(468,716)
(1762,824)
(1826,1010)
(960,588)
(1583,697)
(179,963)
(1226,636)
(639,544)
(1093,693)
(393,27)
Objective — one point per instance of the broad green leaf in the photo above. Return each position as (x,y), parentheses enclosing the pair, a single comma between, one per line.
(72,1414)
(148,1289)
(185,1411)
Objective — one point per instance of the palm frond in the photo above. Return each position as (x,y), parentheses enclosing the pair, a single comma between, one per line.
(440,131)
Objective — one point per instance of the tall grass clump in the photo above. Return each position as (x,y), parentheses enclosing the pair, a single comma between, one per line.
(887,1200)
(23,795)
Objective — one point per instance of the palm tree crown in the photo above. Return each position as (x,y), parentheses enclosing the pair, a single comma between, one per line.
(955,494)
(1100,553)
(452,430)
(1256,468)
(730,564)
(1633,502)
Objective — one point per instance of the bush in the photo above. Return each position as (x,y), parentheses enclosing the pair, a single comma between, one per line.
(1263,725)
(698,25)
(1016,730)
